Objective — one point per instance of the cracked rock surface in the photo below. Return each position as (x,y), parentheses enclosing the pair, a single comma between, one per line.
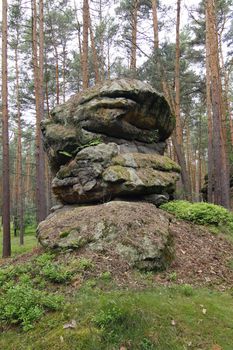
(106,152)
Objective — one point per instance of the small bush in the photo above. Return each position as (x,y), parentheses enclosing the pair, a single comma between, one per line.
(187,290)
(22,304)
(43,259)
(109,315)
(55,273)
(11,272)
(199,213)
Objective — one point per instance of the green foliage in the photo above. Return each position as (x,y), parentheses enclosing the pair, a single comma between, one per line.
(45,258)
(84,264)
(146,344)
(93,142)
(23,304)
(55,273)
(11,272)
(173,276)
(199,213)
(110,315)
(187,290)
(106,276)
(159,319)
(64,153)
(30,242)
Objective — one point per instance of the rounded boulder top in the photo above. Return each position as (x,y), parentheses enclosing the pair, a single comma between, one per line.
(127,108)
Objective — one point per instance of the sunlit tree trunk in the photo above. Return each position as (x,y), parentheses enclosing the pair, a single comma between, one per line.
(221,170)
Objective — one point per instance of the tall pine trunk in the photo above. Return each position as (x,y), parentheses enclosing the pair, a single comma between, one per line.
(5,140)
(177,138)
(19,168)
(134,24)
(85,45)
(221,169)
(39,97)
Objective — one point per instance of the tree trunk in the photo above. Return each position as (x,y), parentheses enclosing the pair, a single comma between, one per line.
(64,73)
(210,123)
(134,23)
(175,105)
(178,130)
(221,170)
(19,170)
(94,53)
(85,45)
(39,97)
(5,140)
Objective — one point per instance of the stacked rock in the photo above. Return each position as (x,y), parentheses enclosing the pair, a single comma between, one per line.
(108,142)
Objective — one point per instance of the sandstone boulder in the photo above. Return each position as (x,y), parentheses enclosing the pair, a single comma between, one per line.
(138,232)
(124,111)
(100,173)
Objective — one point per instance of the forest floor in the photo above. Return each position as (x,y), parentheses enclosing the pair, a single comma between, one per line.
(108,305)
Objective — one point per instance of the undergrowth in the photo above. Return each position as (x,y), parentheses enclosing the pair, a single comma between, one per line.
(200,213)
(172,318)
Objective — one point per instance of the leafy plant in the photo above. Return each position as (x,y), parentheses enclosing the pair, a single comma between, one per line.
(90,143)
(199,213)
(57,274)
(84,264)
(64,153)
(23,304)
(110,314)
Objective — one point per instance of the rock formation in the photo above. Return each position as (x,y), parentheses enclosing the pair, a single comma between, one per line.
(108,143)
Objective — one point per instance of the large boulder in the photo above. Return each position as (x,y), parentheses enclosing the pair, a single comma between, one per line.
(101,172)
(125,111)
(138,232)
(108,143)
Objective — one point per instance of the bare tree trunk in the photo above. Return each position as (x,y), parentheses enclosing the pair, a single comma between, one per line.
(175,105)
(178,131)
(210,122)
(19,169)
(79,31)
(57,76)
(64,74)
(85,45)
(221,183)
(134,24)
(155,23)
(46,89)
(39,96)
(5,140)
(94,53)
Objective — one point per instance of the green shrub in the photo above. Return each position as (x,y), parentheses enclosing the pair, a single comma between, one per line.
(55,273)
(187,290)
(109,315)
(22,304)
(11,272)
(43,259)
(199,213)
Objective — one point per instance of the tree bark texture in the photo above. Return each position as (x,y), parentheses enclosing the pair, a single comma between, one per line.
(221,170)
(85,44)
(5,140)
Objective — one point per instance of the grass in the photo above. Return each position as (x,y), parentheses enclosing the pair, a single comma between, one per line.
(161,319)
(100,316)
(30,242)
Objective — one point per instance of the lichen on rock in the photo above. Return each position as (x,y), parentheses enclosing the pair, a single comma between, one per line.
(108,143)
(138,232)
